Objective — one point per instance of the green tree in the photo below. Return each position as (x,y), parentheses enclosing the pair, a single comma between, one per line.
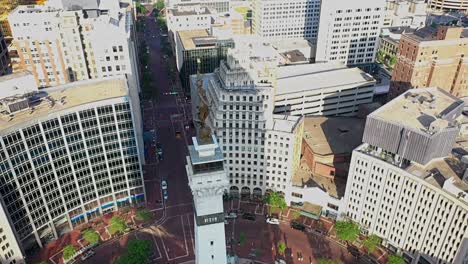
(371,243)
(242,238)
(138,252)
(141,9)
(281,247)
(329,261)
(42,262)
(68,252)
(392,61)
(91,236)
(380,56)
(346,230)
(395,259)
(117,224)
(274,199)
(143,215)
(159,5)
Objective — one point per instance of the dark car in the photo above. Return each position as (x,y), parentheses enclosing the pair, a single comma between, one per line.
(297,226)
(248,216)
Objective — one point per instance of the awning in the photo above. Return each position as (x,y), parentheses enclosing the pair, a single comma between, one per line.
(311,210)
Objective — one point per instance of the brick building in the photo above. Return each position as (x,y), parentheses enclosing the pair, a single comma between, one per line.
(328,143)
(432,57)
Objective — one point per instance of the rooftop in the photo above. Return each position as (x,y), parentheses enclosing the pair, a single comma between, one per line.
(420,109)
(294,56)
(284,123)
(301,77)
(191,10)
(304,178)
(59,98)
(189,38)
(333,135)
(430,33)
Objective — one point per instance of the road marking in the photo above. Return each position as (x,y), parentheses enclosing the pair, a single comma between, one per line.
(185,241)
(190,232)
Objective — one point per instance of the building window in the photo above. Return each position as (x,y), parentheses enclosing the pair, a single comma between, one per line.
(298,195)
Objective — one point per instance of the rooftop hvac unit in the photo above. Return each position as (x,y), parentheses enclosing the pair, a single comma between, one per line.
(17,105)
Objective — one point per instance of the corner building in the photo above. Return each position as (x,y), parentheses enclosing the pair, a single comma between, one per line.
(407,182)
(68,154)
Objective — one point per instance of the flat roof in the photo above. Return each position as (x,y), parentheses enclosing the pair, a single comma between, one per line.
(303,177)
(197,159)
(187,38)
(284,123)
(294,56)
(197,10)
(305,77)
(419,108)
(71,95)
(333,135)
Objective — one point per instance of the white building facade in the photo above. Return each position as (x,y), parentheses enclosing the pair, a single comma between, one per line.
(405,13)
(399,190)
(290,19)
(71,156)
(349,31)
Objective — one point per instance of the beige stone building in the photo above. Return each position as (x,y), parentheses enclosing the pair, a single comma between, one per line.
(432,57)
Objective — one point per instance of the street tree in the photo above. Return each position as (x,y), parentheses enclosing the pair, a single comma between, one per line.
(241,238)
(392,61)
(329,261)
(91,236)
(117,224)
(274,199)
(346,230)
(281,247)
(371,243)
(143,215)
(395,259)
(42,262)
(159,5)
(68,252)
(138,251)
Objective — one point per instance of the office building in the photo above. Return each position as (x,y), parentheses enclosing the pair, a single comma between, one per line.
(449,5)
(390,39)
(349,31)
(208,182)
(261,150)
(328,89)
(219,6)
(405,13)
(432,57)
(407,182)
(193,17)
(65,42)
(197,51)
(68,154)
(5,64)
(290,19)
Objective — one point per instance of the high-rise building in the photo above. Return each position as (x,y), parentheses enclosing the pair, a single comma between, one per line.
(219,6)
(66,42)
(349,31)
(432,57)
(197,51)
(208,182)
(68,154)
(5,64)
(408,182)
(261,150)
(449,5)
(286,19)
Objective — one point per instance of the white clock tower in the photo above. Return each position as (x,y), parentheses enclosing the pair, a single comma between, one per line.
(208,181)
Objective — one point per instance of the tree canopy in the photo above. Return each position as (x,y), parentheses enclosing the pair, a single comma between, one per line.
(159,5)
(346,230)
(329,261)
(117,224)
(371,243)
(395,259)
(138,251)
(91,236)
(281,247)
(274,199)
(68,251)
(141,9)
(143,215)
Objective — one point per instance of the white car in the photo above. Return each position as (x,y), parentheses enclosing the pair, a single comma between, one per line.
(272,221)
(164,185)
(230,216)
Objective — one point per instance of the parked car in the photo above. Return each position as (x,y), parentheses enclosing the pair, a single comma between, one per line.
(87,255)
(164,184)
(165,194)
(297,226)
(230,216)
(249,216)
(272,221)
